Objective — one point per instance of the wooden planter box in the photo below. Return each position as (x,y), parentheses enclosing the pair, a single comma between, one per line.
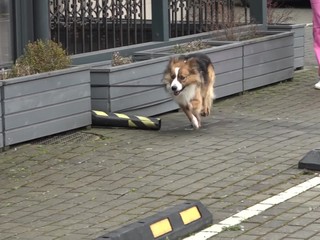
(1,121)
(227,59)
(134,88)
(299,39)
(44,104)
(268,59)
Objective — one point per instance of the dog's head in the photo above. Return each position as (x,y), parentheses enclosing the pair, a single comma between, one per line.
(180,73)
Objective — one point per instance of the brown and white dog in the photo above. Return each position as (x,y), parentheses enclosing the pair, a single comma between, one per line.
(190,81)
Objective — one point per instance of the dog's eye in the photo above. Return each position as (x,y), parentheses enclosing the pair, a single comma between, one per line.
(173,76)
(182,78)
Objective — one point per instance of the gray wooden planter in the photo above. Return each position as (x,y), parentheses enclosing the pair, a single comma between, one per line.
(134,88)
(227,59)
(44,104)
(268,59)
(1,121)
(299,39)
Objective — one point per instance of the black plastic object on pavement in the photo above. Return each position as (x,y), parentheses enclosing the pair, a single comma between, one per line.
(311,160)
(174,223)
(100,118)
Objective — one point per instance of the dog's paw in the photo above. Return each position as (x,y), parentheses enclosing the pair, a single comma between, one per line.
(205,112)
(195,123)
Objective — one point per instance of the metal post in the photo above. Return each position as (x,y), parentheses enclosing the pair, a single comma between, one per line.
(160,20)
(41,19)
(23,24)
(258,11)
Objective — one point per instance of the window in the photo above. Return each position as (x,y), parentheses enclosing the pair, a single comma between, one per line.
(5,36)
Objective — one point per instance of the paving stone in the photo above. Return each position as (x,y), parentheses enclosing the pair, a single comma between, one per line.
(247,152)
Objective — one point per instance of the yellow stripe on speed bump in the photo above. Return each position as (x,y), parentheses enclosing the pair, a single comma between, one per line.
(132,124)
(101,118)
(160,228)
(190,215)
(121,115)
(100,113)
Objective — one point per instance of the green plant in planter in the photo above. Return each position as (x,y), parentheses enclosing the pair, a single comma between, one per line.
(190,47)
(40,56)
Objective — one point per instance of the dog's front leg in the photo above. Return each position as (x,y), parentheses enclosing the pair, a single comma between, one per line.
(193,119)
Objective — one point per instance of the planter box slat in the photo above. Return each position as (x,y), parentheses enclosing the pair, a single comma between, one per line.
(229,77)
(267,79)
(47,128)
(258,46)
(43,82)
(129,72)
(298,62)
(269,67)
(136,100)
(57,111)
(119,91)
(230,50)
(228,89)
(148,110)
(224,55)
(100,92)
(99,77)
(271,55)
(227,66)
(38,100)
(128,75)
(100,104)
(299,52)
(299,42)
(1,113)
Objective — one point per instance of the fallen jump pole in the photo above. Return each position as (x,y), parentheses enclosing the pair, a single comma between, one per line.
(100,118)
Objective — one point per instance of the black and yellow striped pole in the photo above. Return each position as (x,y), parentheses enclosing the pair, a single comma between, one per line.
(100,118)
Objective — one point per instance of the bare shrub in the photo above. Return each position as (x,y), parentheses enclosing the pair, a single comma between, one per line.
(190,47)
(277,16)
(118,60)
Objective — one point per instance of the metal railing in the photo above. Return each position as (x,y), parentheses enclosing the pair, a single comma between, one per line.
(195,16)
(90,25)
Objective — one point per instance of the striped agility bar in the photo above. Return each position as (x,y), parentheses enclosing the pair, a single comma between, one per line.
(100,118)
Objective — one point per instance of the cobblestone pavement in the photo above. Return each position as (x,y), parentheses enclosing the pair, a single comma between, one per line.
(247,151)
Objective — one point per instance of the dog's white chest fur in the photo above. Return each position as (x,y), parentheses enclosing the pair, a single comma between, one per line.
(186,95)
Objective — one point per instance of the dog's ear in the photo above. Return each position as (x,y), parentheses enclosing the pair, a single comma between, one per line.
(173,60)
(192,62)
(179,58)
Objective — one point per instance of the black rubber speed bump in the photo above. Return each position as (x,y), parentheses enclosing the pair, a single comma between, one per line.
(311,160)
(174,223)
(100,118)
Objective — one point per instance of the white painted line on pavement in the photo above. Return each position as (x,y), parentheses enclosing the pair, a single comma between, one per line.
(255,210)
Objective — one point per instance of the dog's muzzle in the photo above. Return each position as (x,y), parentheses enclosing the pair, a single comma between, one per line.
(175,90)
